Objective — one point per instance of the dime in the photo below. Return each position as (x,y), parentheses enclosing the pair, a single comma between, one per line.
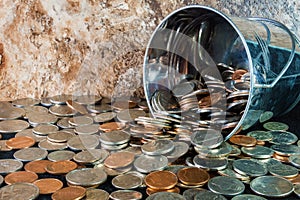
(226,185)
(44,129)
(30,154)
(11,113)
(87,129)
(147,164)
(283,137)
(61,167)
(82,142)
(193,176)
(81,120)
(285,149)
(48,185)
(77,107)
(158,147)
(64,123)
(125,195)
(165,196)
(13,126)
(62,110)
(111,126)
(119,159)
(60,155)
(243,140)
(59,136)
(24,191)
(25,102)
(283,170)
(20,142)
(129,115)
(114,138)
(271,186)
(258,151)
(105,117)
(210,163)
(180,148)
(51,146)
(221,151)
(295,160)
(20,177)
(60,99)
(9,165)
(190,194)
(249,167)
(276,126)
(127,181)
(86,177)
(73,192)
(261,135)
(96,194)
(208,195)
(37,166)
(29,133)
(161,180)
(248,197)
(91,156)
(206,138)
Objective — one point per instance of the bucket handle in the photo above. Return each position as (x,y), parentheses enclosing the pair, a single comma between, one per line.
(293,38)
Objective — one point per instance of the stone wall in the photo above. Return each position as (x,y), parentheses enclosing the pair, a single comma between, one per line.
(95,46)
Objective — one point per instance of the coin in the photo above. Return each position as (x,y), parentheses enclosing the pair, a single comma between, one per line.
(249,167)
(99,108)
(207,195)
(119,159)
(61,167)
(231,173)
(87,99)
(29,133)
(44,129)
(180,148)
(60,155)
(165,196)
(81,120)
(20,142)
(206,138)
(45,101)
(96,194)
(283,170)
(284,159)
(60,99)
(221,151)
(91,156)
(271,186)
(30,154)
(283,137)
(37,166)
(25,102)
(41,118)
(86,177)
(150,191)
(9,165)
(114,137)
(111,126)
(297,189)
(20,177)
(81,142)
(11,113)
(158,147)
(73,192)
(87,129)
(64,123)
(265,116)
(258,151)
(147,164)
(295,180)
(13,126)
(24,191)
(276,126)
(261,135)
(77,107)
(161,180)
(248,197)
(3,146)
(210,163)
(295,160)
(226,185)
(127,181)
(125,195)
(243,140)
(105,117)
(1,180)
(129,115)
(193,176)
(48,185)
(235,151)
(123,104)
(59,136)
(190,194)
(62,111)
(285,149)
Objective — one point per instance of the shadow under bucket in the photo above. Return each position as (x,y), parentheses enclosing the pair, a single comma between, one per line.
(217,72)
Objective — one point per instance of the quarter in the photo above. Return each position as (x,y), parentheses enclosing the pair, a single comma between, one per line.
(60,155)
(86,177)
(249,167)
(147,164)
(158,147)
(283,137)
(13,126)
(24,191)
(30,154)
(276,126)
(9,165)
(226,185)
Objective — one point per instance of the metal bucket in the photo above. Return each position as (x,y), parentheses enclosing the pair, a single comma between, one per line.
(218,72)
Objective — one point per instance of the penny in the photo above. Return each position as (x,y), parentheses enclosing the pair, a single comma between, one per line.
(127,181)
(165,196)
(271,186)
(86,177)
(25,102)
(243,140)
(129,115)
(161,180)
(125,195)
(114,137)
(51,146)
(295,180)
(258,152)
(77,107)
(295,160)
(147,164)
(193,176)
(59,136)
(158,147)
(29,133)
(206,138)
(276,126)
(11,113)
(13,126)
(62,111)
(119,159)
(87,129)
(210,163)
(9,166)
(69,193)
(20,177)
(41,118)
(248,197)
(82,142)
(105,117)
(283,170)
(283,137)
(285,149)
(249,167)
(227,186)
(61,167)
(111,126)
(20,142)
(114,172)
(150,191)
(24,191)
(60,155)
(281,158)
(30,154)
(44,129)
(190,194)
(80,120)
(91,156)
(37,166)
(48,185)
(96,194)
(122,105)
(261,135)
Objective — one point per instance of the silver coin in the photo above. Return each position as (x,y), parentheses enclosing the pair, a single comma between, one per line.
(45,129)
(11,113)
(86,177)
(190,194)
(60,99)
(129,115)
(180,148)
(258,151)
(45,101)
(1,180)
(91,156)
(114,138)
(248,197)
(96,194)
(283,137)
(87,99)
(127,181)
(261,135)
(19,191)
(231,173)
(286,150)
(221,151)
(206,138)
(81,120)
(29,133)
(125,195)
(3,146)
(25,102)
(51,146)
(82,142)
(99,108)
(13,126)
(271,186)
(235,151)
(270,161)
(227,186)
(208,195)
(60,155)
(158,147)
(9,165)
(146,164)
(283,170)
(62,111)
(165,196)
(59,136)
(114,147)
(265,116)
(295,160)
(41,118)
(249,167)
(297,189)
(87,129)
(276,126)
(64,123)
(210,163)
(30,154)
(105,117)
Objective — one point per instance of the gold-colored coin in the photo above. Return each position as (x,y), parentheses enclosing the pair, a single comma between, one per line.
(111,126)
(20,177)
(193,176)
(61,167)
(281,158)
(20,142)
(37,166)
(119,160)
(243,140)
(150,191)
(295,180)
(48,185)
(161,180)
(69,193)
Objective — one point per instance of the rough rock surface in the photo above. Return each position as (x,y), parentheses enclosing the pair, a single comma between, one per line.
(93,46)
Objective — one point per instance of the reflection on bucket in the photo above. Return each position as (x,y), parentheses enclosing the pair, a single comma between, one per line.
(216,72)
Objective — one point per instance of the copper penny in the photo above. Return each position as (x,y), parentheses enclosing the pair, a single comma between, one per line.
(48,185)
(260,142)
(295,180)
(119,159)
(20,142)
(281,158)
(37,166)
(237,75)
(61,167)
(20,177)
(69,193)
(161,180)
(111,126)
(193,176)
(243,140)
(150,191)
